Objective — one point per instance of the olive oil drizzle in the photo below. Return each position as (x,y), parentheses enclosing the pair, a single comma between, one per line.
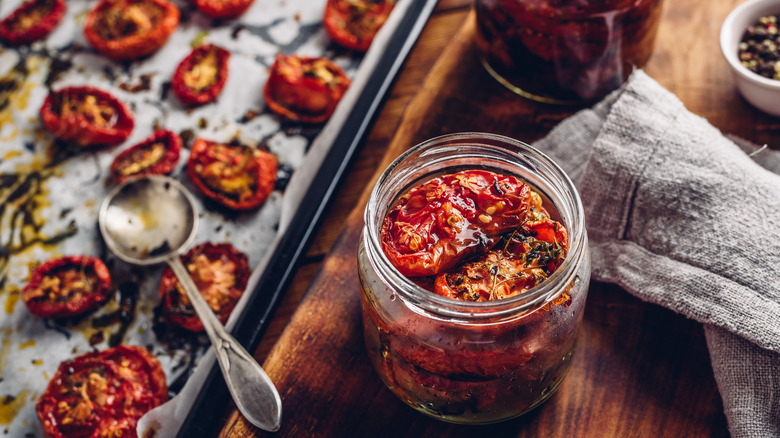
(22,190)
(19,200)
(125,315)
(10,405)
(12,82)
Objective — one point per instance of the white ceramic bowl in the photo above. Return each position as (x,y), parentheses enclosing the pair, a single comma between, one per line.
(761,92)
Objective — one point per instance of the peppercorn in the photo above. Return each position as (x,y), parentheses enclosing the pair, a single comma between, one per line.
(759,48)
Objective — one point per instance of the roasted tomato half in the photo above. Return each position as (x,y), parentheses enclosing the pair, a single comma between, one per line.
(354,23)
(447,220)
(67,286)
(223,9)
(31,21)
(157,155)
(102,394)
(221,273)
(235,175)
(125,30)
(86,116)
(523,260)
(305,89)
(201,76)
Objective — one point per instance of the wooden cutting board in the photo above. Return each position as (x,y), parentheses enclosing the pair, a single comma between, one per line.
(639,369)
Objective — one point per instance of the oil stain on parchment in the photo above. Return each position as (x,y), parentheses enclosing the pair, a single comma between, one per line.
(22,191)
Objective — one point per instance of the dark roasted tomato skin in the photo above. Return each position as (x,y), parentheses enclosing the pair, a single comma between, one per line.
(157,155)
(102,393)
(234,175)
(77,126)
(447,220)
(305,89)
(67,286)
(221,273)
(126,38)
(13,32)
(196,94)
(223,9)
(354,23)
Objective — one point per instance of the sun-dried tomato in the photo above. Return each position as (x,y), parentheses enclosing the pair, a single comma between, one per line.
(235,175)
(125,30)
(32,21)
(223,9)
(447,220)
(157,155)
(201,76)
(67,286)
(526,258)
(219,271)
(86,116)
(305,89)
(354,23)
(102,393)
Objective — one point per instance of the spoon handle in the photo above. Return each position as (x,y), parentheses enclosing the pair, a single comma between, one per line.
(253,392)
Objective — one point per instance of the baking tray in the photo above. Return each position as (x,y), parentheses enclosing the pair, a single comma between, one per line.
(385,59)
(314,157)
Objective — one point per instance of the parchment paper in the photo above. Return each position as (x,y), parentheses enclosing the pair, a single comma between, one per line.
(50,194)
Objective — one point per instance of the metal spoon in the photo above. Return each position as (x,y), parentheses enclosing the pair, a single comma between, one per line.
(147,221)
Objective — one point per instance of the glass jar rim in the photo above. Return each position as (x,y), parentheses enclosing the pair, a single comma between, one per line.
(433,303)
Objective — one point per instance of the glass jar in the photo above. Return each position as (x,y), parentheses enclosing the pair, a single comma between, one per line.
(565,51)
(465,361)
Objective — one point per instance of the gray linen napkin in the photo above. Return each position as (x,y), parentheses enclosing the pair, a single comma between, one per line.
(679,215)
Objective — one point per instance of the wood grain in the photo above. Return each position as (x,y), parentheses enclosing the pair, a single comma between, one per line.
(639,369)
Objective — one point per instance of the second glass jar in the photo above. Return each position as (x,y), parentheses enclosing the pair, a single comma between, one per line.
(565,51)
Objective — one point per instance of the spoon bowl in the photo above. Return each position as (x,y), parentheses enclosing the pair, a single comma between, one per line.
(146,220)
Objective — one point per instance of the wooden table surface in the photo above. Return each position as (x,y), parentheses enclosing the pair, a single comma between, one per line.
(639,370)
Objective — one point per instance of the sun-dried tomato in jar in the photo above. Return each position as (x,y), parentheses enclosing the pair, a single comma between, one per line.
(474,266)
(567,50)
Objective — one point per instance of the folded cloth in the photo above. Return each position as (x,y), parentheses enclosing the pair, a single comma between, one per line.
(679,215)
